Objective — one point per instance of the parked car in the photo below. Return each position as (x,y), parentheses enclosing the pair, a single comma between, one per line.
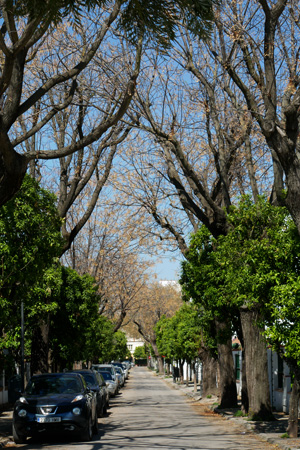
(121,375)
(55,402)
(105,389)
(111,384)
(95,383)
(107,367)
(123,367)
(128,364)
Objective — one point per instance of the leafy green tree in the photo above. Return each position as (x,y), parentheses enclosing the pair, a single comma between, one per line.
(167,339)
(29,241)
(179,337)
(249,268)
(65,326)
(218,315)
(99,344)
(77,309)
(140,352)
(119,350)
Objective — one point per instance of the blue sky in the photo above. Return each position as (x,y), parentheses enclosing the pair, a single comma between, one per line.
(168,268)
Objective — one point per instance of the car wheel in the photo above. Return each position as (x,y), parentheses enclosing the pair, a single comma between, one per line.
(18,438)
(87,433)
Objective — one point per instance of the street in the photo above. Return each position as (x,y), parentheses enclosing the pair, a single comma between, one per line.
(149,414)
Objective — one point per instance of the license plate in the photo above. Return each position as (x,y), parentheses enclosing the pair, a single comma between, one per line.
(48,419)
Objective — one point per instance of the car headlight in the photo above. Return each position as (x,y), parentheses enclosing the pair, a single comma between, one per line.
(77,398)
(22,413)
(23,400)
(77,411)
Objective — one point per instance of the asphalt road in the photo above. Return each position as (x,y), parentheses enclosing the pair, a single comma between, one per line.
(148,415)
(151,415)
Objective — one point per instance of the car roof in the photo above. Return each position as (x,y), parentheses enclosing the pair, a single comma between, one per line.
(58,375)
(55,374)
(102,365)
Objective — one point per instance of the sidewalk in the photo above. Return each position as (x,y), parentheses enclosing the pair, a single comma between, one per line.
(5,425)
(271,432)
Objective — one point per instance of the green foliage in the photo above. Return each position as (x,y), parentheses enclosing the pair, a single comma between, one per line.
(70,321)
(99,342)
(156,20)
(239,413)
(29,235)
(255,265)
(29,241)
(140,352)
(53,10)
(179,337)
(119,350)
(203,282)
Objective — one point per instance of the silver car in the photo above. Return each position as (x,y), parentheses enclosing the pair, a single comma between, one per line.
(121,376)
(112,385)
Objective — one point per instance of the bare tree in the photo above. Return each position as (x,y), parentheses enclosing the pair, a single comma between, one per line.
(202,156)
(156,300)
(258,47)
(28,34)
(106,250)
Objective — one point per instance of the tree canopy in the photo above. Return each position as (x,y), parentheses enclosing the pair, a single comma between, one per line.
(29,241)
(251,274)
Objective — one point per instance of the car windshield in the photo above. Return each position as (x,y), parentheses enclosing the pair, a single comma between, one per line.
(106,375)
(53,385)
(89,378)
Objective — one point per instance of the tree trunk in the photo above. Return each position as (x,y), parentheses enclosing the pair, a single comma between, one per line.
(11,175)
(289,161)
(168,367)
(244,393)
(159,358)
(40,349)
(160,364)
(227,385)
(256,366)
(181,374)
(209,374)
(292,428)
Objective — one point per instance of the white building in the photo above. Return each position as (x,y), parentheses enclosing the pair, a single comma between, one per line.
(279,379)
(133,343)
